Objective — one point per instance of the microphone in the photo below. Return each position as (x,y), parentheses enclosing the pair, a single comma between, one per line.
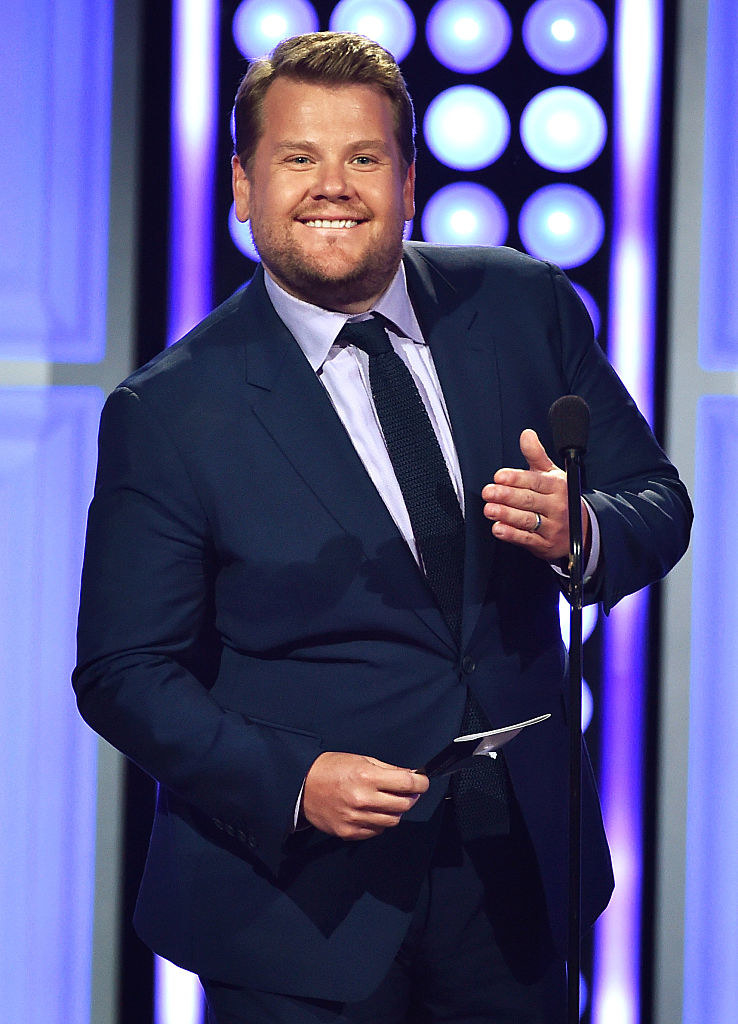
(568,418)
(569,421)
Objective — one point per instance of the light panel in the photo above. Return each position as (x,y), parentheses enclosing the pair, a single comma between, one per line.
(631,346)
(563,129)
(194,111)
(48,756)
(464,213)
(565,36)
(466,127)
(388,22)
(711,899)
(468,36)
(194,114)
(562,223)
(258,25)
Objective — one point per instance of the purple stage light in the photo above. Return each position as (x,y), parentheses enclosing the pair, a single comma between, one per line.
(388,22)
(565,36)
(562,223)
(466,127)
(468,35)
(258,25)
(563,129)
(464,213)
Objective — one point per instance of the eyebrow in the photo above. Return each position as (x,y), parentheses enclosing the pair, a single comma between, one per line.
(358,144)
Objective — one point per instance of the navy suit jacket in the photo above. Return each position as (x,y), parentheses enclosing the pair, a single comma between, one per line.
(248,603)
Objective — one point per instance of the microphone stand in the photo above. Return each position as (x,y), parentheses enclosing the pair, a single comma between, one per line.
(576,572)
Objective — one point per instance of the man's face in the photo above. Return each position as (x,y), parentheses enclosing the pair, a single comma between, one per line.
(327,192)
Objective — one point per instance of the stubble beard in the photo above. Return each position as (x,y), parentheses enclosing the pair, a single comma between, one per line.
(325,283)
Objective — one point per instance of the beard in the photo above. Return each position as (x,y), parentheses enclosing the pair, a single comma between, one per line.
(331,280)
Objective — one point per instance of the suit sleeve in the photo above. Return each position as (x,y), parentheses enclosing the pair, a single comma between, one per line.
(146,615)
(642,507)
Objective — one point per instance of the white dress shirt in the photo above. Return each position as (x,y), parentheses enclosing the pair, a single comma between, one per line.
(344,372)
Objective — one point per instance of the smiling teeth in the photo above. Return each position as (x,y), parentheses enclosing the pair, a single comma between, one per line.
(331,223)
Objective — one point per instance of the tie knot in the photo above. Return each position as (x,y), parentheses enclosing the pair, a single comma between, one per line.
(368,335)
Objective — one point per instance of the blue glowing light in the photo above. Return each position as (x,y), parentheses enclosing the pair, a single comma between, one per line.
(468,35)
(563,129)
(258,25)
(241,235)
(591,305)
(464,214)
(587,707)
(388,22)
(565,36)
(562,223)
(466,127)
(589,620)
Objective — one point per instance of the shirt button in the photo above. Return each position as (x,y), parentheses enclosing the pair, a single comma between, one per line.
(468,665)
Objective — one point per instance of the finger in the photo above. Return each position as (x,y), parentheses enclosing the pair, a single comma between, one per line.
(400,781)
(522,498)
(534,452)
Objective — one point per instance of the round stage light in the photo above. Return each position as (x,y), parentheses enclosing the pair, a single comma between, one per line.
(589,620)
(562,223)
(466,127)
(587,712)
(388,22)
(468,35)
(563,129)
(258,25)
(464,213)
(565,36)
(592,308)
(241,235)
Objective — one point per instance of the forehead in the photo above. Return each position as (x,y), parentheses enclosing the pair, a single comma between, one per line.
(302,110)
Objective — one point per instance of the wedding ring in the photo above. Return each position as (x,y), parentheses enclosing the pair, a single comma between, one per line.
(537,527)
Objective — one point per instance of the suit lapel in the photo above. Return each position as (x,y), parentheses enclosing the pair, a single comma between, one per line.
(294,408)
(464,347)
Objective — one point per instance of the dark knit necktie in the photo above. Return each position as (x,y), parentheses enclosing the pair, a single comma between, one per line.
(480,792)
(419,465)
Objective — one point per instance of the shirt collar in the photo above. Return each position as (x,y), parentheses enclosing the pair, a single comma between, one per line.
(315,329)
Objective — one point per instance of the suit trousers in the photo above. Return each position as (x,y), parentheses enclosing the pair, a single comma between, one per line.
(478,950)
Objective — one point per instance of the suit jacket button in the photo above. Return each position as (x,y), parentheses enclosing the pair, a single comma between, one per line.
(241,836)
(218,823)
(251,843)
(468,665)
(230,830)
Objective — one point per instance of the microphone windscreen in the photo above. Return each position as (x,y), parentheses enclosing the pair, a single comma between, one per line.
(569,420)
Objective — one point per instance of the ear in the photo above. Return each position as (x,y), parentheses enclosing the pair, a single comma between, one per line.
(408,193)
(241,190)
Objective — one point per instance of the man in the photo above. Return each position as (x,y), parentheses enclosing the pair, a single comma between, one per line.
(281,617)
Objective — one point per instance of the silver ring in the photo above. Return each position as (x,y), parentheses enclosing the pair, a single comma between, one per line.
(537,527)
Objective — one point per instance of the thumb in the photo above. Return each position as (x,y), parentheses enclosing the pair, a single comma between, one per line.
(534,452)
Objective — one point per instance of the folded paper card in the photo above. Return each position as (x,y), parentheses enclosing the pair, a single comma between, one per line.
(457,753)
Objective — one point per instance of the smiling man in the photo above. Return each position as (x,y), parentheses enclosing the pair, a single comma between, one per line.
(327,190)
(324,542)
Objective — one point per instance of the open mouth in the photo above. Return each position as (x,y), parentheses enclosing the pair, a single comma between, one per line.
(334,224)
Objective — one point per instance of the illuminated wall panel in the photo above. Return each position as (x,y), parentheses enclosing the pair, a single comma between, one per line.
(711,917)
(55,93)
(718,345)
(47,782)
(711,898)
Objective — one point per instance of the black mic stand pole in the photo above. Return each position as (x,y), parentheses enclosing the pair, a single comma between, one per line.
(576,572)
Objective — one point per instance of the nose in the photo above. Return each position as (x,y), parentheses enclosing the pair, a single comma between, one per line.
(331,181)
